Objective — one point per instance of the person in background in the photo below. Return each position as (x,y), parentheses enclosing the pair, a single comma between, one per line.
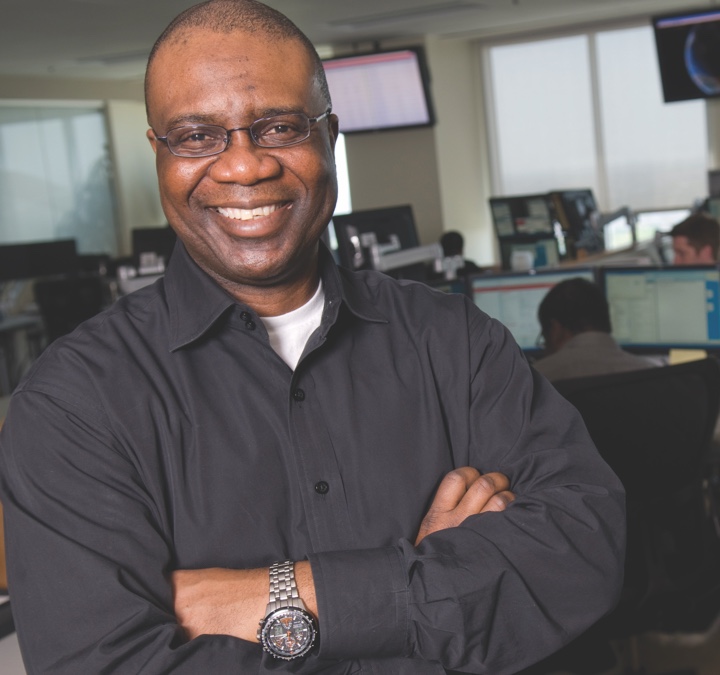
(453,245)
(576,331)
(695,240)
(265,463)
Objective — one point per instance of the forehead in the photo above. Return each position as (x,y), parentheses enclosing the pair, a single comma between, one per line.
(202,73)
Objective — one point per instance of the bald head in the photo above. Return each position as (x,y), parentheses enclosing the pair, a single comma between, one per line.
(241,16)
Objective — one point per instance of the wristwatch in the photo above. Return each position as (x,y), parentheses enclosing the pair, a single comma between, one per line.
(288,630)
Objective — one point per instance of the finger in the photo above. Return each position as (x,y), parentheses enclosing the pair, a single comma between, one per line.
(480,493)
(452,488)
(498,502)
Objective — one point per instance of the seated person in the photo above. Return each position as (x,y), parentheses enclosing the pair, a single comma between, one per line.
(695,240)
(453,245)
(575,321)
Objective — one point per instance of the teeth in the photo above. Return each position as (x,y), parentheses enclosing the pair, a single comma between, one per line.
(246,214)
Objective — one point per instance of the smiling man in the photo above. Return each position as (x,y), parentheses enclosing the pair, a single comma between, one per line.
(267,463)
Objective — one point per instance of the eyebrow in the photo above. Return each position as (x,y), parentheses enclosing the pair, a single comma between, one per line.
(196,119)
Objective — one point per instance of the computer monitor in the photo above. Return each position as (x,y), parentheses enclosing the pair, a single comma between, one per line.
(659,308)
(38,259)
(158,240)
(543,252)
(393,227)
(522,215)
(650,222)
(514,299)
(618,233)
(575,211)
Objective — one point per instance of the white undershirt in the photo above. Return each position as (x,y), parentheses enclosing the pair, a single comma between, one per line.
(289,332)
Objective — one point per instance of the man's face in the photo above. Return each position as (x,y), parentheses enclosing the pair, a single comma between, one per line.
(249,216)
(684,253)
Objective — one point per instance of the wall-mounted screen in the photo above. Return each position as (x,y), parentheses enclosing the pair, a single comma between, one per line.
(659,308)
(514,299)
(380,91)
(688,48)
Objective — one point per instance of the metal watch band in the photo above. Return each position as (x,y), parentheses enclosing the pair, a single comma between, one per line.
(283,589)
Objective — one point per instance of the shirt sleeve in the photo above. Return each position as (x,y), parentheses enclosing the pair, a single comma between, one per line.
(89,553)
(503,590)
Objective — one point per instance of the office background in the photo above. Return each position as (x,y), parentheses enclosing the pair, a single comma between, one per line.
(91,53)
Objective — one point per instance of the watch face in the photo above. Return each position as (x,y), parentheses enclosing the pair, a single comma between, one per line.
(288,632)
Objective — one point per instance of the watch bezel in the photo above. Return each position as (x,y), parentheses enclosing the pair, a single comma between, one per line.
(274,617)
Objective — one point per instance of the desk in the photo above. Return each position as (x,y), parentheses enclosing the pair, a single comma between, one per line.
(11,328)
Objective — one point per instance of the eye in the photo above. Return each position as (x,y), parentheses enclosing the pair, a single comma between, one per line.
(198,134)
(278,130)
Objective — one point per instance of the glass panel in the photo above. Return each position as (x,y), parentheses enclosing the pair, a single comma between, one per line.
(544,116)
(344,203)
(54,177)
(656,153)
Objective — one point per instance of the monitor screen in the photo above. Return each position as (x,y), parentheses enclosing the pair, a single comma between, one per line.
(649,222)
(514,299)
(618,234)
(393,227)
(575,211)
(660,308)
(688,48)
(38,259)
(522,215)
(158,240)
(380,91)
(529,254)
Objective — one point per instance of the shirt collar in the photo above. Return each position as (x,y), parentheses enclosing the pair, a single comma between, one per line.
(196,301)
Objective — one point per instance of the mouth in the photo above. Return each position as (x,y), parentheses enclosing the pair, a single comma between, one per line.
(247,214)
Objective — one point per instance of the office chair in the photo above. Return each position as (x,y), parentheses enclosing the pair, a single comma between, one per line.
(654,428)
(66,302)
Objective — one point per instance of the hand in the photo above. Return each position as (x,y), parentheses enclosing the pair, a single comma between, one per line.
(465,492)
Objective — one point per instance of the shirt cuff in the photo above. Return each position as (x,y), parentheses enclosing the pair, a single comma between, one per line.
(362,601)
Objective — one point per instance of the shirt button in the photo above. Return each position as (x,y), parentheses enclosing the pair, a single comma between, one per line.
(245,316)
(321,487)
(250,325)
(298,395)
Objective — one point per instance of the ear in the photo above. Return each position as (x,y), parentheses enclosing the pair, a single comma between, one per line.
(557,336)
(153,141)
(705,254)
(333,128)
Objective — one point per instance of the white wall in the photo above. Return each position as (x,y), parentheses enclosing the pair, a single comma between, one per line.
(138,201)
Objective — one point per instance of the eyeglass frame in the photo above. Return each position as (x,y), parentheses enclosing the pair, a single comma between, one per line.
(228,132)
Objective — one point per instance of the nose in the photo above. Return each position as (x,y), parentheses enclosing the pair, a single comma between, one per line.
(243,162)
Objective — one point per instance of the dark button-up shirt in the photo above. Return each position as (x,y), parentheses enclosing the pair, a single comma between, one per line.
(166,433)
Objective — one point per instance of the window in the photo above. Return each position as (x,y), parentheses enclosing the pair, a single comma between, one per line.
(344,203)
(587,111)
(54,177)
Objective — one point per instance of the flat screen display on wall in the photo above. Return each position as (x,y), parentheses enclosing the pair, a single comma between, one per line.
(380,91)
(688,47)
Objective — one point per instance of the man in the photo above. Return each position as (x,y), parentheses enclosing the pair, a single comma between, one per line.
(260,405)
(453,245)
(575,326)
(695,240)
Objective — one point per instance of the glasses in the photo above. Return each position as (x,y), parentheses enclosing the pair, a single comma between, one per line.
(204,140)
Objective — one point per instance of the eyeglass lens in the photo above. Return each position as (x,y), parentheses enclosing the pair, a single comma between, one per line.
(269,132)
